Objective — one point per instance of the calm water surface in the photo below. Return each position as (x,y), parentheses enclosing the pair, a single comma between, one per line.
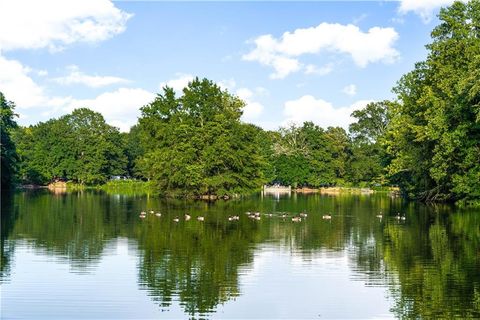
(89,255)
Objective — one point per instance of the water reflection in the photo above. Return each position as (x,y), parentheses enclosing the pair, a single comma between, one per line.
(428,262)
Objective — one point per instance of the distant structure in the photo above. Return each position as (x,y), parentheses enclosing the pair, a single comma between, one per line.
(277,188)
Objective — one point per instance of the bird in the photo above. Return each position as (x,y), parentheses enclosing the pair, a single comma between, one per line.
(158,214)
(257,218)
(379,216)
(200,218)
(187,217)
(236,218)
(296,219)
(142,216)
(152,212)
(327,217)
(176,219)
(230,218)
(303,215)
(284,216)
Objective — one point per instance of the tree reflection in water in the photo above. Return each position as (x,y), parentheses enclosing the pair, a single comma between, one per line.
(430,260)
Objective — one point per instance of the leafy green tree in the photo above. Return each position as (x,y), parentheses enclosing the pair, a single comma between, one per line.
(367,154)
(434,136)
(195,144)
(79,146)
(9,156)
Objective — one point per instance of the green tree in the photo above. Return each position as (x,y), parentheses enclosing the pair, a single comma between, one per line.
(79,146)
(195,144)
(9,156)
(368,158)
(434,136)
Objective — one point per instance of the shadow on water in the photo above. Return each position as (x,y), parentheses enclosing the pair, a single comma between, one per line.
(429,261)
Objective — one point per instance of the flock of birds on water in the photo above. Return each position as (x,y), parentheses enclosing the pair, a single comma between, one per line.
(258,216)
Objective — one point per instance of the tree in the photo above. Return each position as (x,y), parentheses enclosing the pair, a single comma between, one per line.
(79,146)
(9,156)
(367,155)
(195,144)
(434,136)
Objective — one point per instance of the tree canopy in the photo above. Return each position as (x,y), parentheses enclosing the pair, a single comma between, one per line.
(9,158)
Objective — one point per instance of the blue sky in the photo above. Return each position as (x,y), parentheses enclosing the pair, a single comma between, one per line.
(290,62)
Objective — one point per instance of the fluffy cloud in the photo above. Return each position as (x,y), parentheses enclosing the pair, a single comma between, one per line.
(17,85)
(53,24)
(375,45)
(319,111)
(350,90)
(120,107)
(423,8)
(253,109)
(77,77)
(178,83)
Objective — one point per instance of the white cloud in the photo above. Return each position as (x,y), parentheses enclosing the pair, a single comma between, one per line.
(253,109)
(350,90)
(178,83)
(53,24)
(424,8)
(324,70)
(17,85)
(321,112)
(375,45)
(77,77)
(120,107)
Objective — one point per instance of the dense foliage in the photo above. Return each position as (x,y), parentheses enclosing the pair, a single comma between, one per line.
(195,144)
(434,135)
(79,146)
(9,158)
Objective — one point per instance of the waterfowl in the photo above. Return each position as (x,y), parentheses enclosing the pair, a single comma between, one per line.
(230,218)
(200,218)
(143,213)
(152,212)
(176,219)
(158,214)
(303,215)
(283,216)
(257,218)
(327,217)
(236,218)
(379,216)
(296,219)
(142,216)
(269,215)
(187,217)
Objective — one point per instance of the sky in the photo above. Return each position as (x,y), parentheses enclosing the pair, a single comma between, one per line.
(289,61)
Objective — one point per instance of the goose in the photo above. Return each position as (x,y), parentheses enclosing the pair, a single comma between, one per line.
(152,212)
(200,218)
(230,218)
(257,218)
(187,217)
(158,214)
(142,216)
(296,219)
(327,217)
(176,219)
(380,216)
(303,215)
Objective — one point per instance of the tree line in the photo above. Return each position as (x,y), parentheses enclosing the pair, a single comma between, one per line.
(427,140)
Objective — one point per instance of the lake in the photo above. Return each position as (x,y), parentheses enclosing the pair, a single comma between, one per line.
(89,255)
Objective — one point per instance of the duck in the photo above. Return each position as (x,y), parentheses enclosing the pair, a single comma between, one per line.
(284,215)
(379,216)
(200,218)
(187,217)
(257,218)
(303,215)
(158,214)
(230,218)
(152,212)
(327,217)
(296,219)
(176,219)
(142,216)
(236,218)
(143,213)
